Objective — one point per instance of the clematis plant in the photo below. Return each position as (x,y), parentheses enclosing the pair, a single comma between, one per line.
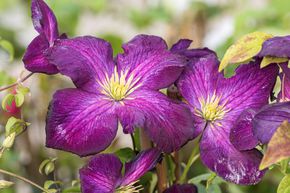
(231,118)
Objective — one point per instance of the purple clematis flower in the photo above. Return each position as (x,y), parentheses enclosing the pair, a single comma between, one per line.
(216,103)
(181,188)
(45,24)
(258,126)
(84,120)
(284,94)
(103,174)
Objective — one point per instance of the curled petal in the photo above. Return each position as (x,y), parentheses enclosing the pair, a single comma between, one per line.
(34,58)
(86,60)
(80,122)
(219,155)
(44,20)
(144,162)
(242,134)
(181,45)
(168,123)
(147,58)
(276,46)
(268,119)
(181,188)
(284,95)
(101,174)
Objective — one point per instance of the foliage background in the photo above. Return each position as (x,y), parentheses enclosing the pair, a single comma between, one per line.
(212,23)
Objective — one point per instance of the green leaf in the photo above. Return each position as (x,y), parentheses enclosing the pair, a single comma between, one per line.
(8,47)
(22,89)
(198,179)
(125,154)
(284,186)
(72,190)
(41,166)
(19,99)
(49,167)
(244,49)
(278,147)
(49,183)
(210,180)
(9,140)
(214,188)
(7,101)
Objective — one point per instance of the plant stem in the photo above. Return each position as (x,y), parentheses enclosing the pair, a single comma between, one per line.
(162,176)
(177,166)
(192,159)
(23,179)
(16,83)
(133,142)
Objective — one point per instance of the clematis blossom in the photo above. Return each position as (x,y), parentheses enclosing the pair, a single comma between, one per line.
(181,188)
(216,103)
(45,24)
(84,120)
(103,174)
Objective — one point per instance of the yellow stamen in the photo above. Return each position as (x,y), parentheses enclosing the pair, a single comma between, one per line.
(118,87)
(130,188)
(211,109)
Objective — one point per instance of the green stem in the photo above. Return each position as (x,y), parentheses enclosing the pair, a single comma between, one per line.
(23,179)
(193,157)
(133,143)
(16,83)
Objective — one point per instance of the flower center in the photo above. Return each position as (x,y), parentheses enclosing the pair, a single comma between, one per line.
(211,109)
(130,188)
(118,87)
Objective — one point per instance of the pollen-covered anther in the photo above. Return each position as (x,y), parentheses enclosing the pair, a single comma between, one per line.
(119,86)
(211,109)
(130,188)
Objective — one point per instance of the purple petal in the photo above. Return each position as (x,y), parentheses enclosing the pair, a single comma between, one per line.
(181,188)
(34,59)
(249,88)
(44,20)
(144,162)
(181,45)
(242,134)
(101,174)
(147,58)
(80,122)
(200,78)
(219,155)
(277,46)
(86,60)
(284,95)
(168,123)
(268,119)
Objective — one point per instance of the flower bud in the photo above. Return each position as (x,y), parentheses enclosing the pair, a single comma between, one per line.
(9,140)
(5,184)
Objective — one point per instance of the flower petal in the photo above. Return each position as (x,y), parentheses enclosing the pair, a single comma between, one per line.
(284,95)
(249,88)
(219,155)
(34,59)
(145,161)
(147,58)
(268,119)
(182,44)
(277,46)
(101,174)
(80,122)
(167,122)
(199,79)
(181,188)
(44,20)
(86,60)
(242,134)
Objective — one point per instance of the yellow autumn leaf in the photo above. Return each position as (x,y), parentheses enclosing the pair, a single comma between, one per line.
(269,60)
(244,49)
(278,147)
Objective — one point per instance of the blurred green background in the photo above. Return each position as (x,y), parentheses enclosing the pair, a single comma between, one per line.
(212,23)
